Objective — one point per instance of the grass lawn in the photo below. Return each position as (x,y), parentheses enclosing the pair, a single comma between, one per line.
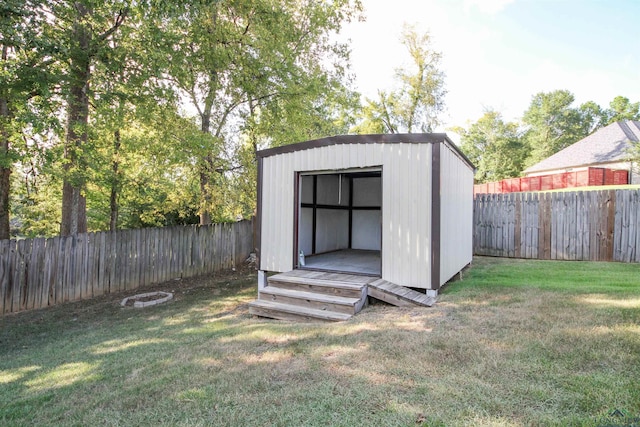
(515,343)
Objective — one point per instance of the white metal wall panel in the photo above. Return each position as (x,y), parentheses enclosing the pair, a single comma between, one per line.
(332,230)
(306,190)
(305,231)
(367,191)
(406,201)
(406,205)
(332,190)
(367,233)
(456,218)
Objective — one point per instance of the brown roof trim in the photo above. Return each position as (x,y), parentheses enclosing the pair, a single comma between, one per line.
(391,138)
(436,200)
(258,236)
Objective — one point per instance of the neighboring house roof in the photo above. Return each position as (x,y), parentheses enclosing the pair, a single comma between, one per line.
(606,145)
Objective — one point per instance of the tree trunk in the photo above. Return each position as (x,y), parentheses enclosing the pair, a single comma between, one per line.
(115,183)
(206,164)
(5,185)
(5,164)
(74,214)
(206,170)
(205,217)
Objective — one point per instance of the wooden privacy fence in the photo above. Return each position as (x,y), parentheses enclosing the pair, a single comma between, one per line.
(589,225)
(37,273)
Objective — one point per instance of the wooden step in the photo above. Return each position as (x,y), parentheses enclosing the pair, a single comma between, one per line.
(280,311)
(310,299)
(325,275)
(398,295)
(322,286)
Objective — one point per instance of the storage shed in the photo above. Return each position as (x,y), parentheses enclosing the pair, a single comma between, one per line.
(395,207)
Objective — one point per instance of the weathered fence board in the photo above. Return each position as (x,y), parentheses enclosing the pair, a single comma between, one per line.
(587,226)
(36,273)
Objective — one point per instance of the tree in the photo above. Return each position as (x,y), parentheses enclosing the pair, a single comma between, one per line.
(592,117)
(494,147)
(256,74)
(234,59)
(302,113)
(621,109)
(553,124)
(418,101)
(26,79)
(130,97)
(85,30)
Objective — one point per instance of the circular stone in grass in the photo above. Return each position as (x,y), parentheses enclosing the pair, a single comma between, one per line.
(146,300)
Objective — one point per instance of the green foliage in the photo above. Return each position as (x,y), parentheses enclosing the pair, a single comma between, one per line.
(622,109)
(264,76)
(121,75)
(592,116)
(153,183)
(35,201)
(495,147)
(154,111)
(552,124)
(418,101)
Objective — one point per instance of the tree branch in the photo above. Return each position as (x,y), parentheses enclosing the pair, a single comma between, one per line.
(122,14)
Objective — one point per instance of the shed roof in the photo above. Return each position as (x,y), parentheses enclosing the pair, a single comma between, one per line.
(606,145)
(394,138)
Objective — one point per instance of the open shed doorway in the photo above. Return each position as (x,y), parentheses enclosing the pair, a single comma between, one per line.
(340,221)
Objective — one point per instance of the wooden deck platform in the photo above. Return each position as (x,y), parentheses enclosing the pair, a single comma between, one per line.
(306,295)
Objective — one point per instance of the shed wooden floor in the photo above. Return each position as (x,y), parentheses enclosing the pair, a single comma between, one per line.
(332,277)
(348,261)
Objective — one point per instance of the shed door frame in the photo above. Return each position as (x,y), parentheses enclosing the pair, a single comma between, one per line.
(367,171)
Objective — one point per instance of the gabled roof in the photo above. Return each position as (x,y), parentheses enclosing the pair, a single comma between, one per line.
(394,138)
(606,145)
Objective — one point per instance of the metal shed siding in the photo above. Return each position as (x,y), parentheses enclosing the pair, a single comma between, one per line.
(456,220)
(277,209)
(406,216)
(406,212)
(277,223)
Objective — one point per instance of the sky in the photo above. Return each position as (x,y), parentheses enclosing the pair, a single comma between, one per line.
(499,53)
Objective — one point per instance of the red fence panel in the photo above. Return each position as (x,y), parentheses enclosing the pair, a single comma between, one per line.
(559,180)
(620,177)
(511,185)
(582,178)
(608,177)
(480,189)
(596,176)
(535,183)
